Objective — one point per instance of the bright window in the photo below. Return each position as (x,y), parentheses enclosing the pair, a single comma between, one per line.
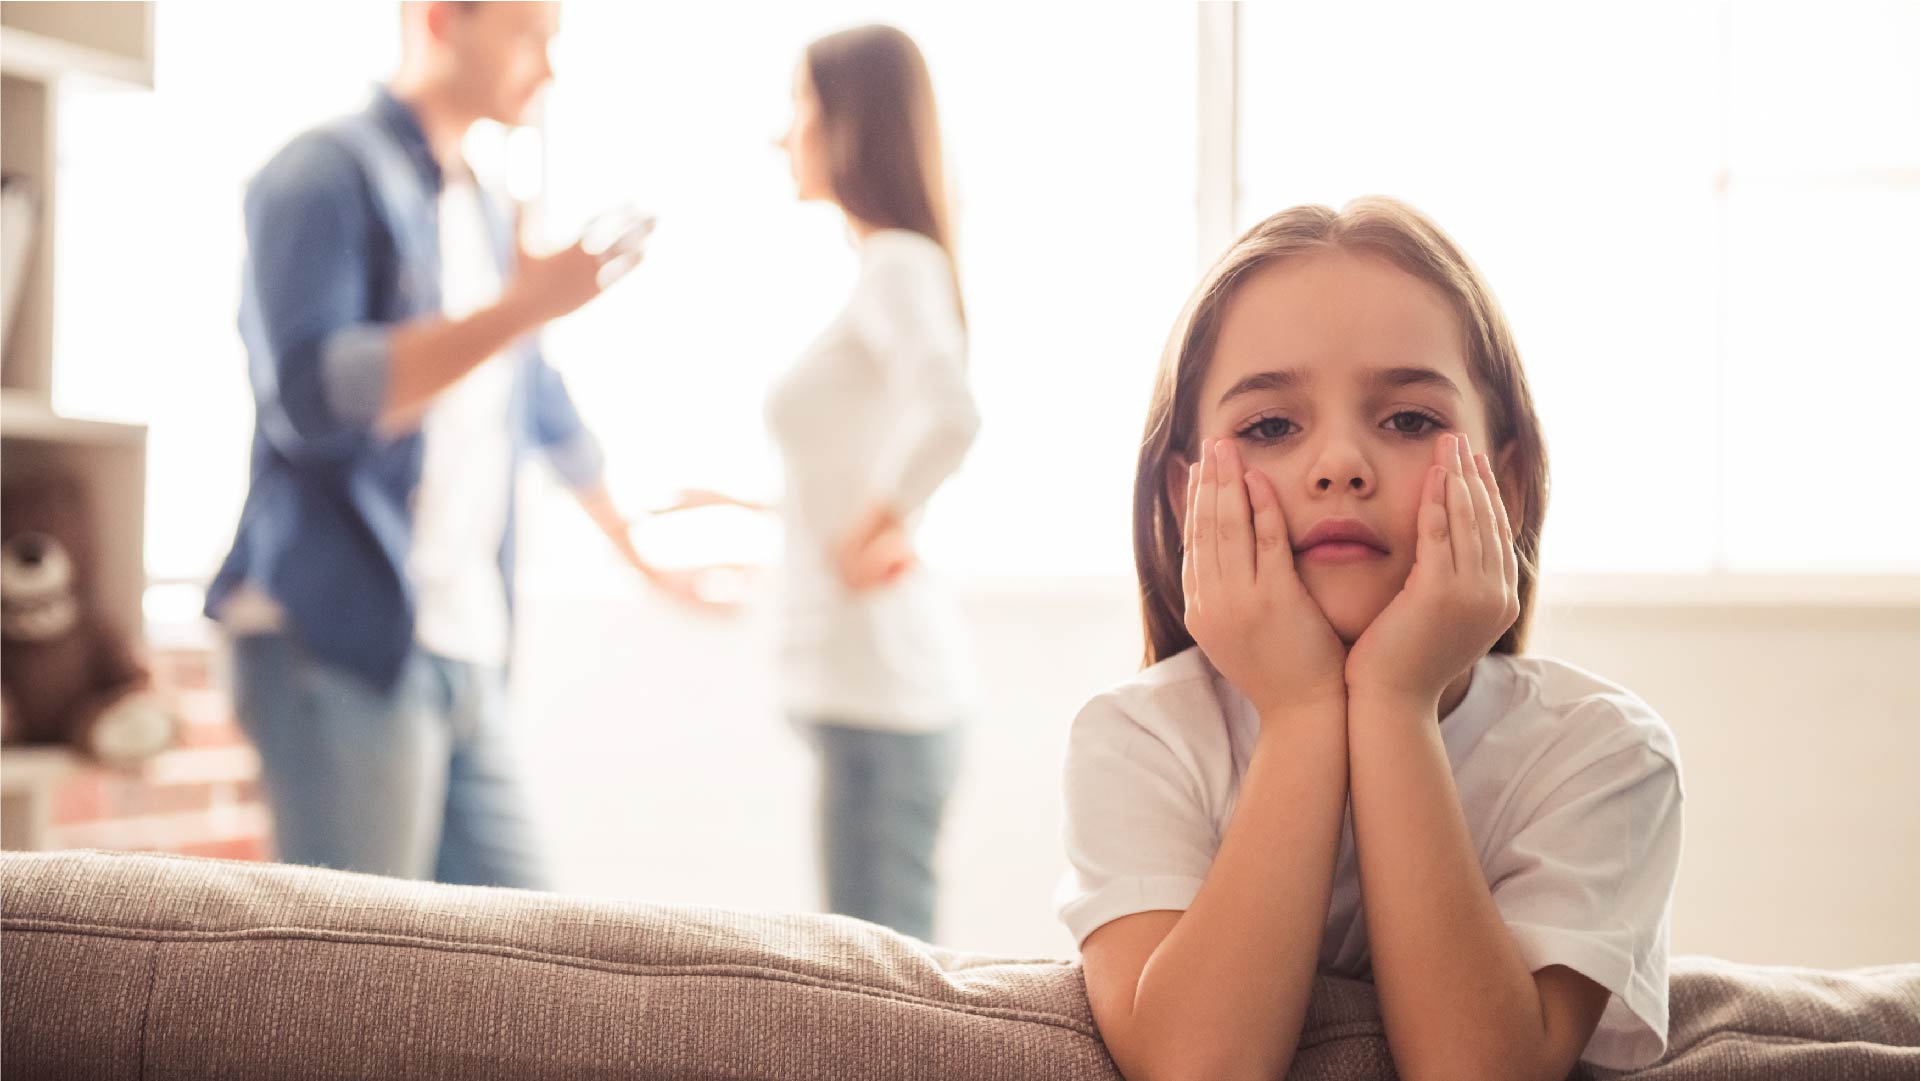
(1702,219)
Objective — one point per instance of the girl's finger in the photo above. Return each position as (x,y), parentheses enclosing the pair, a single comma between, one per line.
(1487,531)
(1234,536)
(1460,511)
(1189,570)
(1207,559)
(1510,559)
(1432,547)
(1273,552)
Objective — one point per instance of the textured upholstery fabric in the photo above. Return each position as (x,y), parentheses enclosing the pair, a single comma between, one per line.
(142,966)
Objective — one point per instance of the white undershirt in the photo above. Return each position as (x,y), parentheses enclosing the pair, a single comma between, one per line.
(460,508)
(877,409)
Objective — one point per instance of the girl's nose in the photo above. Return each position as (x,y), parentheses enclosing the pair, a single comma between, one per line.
(1340,466)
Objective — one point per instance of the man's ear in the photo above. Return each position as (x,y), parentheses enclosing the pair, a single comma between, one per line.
(1176,478)
(440,18)
(1513,496)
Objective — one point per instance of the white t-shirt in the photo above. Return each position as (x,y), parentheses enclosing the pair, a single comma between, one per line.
(1570,786)
(876,409)
(460,508)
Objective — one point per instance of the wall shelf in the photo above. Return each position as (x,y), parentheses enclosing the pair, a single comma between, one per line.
(44,49)
(49,41)
(24,417)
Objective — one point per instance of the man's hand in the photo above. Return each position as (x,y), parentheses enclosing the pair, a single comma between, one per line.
(546,287)
(697,587)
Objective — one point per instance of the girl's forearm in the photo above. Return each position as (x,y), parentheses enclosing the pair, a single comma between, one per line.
(1457,999)
(1225,993)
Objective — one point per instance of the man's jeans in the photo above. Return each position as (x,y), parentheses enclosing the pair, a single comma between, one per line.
(882,795)
(417,783)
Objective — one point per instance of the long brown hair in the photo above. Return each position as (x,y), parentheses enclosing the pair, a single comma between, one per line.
(882,132)
(1375,225)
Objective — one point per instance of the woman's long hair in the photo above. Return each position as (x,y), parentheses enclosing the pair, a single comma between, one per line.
(882,133)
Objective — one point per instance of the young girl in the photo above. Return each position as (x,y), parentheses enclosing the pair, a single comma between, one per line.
(1336,758)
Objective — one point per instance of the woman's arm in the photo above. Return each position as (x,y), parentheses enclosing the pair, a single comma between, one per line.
(1221,989)
(903,311)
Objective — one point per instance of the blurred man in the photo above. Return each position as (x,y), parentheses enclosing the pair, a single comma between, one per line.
(389,319)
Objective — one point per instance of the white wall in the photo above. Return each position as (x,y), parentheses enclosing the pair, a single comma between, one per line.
(664,771)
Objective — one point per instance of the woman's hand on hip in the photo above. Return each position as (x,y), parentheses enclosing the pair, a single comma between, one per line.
(875,551)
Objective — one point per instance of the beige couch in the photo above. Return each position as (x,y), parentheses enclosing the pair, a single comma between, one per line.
(141,966)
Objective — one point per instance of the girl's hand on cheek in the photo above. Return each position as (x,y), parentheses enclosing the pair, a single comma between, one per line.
(1245,605)
(1461,596)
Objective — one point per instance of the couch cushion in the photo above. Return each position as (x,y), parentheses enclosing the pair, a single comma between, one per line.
(1737,1021)
(122,965)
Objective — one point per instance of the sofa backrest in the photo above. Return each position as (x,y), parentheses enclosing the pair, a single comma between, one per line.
(142,966)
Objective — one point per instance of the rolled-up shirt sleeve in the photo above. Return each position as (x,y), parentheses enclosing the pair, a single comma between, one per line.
(906,313)
(318,362)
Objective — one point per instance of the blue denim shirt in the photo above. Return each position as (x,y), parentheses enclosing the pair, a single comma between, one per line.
(343,244)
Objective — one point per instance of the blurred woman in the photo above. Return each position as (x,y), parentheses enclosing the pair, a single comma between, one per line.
(869,422)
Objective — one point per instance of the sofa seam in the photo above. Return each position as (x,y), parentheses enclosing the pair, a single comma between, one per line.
(1776,1038)
(146,1005)
(740,971)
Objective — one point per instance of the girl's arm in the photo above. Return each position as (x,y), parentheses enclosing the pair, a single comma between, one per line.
(1221,989)
(1457,998)
(1456,995)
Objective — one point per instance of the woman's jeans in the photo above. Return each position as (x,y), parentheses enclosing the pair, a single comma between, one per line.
(882,794)
(418,782)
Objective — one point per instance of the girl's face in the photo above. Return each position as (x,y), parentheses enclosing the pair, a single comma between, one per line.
(805,142)
(1335,373)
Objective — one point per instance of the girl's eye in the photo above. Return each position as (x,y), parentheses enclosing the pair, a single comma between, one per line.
(1411,422)
(1268,429)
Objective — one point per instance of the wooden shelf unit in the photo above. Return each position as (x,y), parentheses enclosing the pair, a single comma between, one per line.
(46,51)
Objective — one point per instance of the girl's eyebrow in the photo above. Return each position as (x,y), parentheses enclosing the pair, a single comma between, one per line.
(1294,378)
(1414,377)
(1279,379)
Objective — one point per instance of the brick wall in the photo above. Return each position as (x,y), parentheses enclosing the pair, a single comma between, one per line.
(201,798)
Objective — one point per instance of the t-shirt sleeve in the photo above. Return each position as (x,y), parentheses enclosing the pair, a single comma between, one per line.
(1586,883)
(1139,835)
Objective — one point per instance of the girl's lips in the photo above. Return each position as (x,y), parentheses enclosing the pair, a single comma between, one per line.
(1341,552)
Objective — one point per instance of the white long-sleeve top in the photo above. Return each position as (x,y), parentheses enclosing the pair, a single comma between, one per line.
(876,409)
